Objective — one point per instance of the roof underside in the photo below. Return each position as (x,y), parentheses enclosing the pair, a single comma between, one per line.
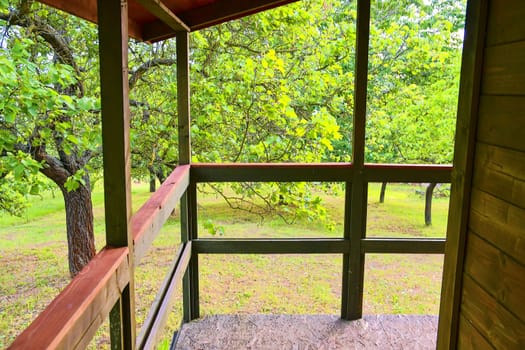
(155,20)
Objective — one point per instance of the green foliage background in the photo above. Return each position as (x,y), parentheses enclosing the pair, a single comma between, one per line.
(273,87)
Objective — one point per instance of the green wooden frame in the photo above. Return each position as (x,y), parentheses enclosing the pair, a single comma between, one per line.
(356,175)
(469,91)
(113,52)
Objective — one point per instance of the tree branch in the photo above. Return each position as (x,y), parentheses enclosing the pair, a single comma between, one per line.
(138,72)
(21,17)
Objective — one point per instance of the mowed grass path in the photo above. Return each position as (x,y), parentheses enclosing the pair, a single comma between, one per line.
(33,261)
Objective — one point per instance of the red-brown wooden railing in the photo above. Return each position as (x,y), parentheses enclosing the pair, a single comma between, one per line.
(73,317)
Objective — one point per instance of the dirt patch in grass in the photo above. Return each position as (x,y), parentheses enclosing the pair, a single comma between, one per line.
(312,284)
(29,281)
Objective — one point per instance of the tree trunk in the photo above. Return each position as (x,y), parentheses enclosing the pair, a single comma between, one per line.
(428,203)
(160,174)
(79,223)
(152,182)
(382,193)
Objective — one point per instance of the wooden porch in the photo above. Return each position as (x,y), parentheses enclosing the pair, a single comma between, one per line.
(319,332)
(105,279)
(105,288)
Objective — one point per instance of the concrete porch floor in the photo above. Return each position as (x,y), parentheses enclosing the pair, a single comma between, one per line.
(301,332)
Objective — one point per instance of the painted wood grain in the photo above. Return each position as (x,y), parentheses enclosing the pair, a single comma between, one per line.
(500,223)
(149,219)
(506,23)
(469,337)
(502,120)
(501,328)
(499,274)
(504,70)
(73,317)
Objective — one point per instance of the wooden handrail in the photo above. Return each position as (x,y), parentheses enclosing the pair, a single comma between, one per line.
(270,246)
(384,245)
(73,317)
(148,220)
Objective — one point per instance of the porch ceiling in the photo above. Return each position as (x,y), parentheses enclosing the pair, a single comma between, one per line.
(155,20)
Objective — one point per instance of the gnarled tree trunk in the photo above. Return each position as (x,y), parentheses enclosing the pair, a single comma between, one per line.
(382,193)
(428,203)
(79,223)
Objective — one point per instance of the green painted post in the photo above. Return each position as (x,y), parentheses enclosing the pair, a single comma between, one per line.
(113,52)
(356,198)
(188,201)
(193,266)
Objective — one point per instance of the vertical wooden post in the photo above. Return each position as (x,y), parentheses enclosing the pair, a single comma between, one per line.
(189,199)
(183,97)
(461,184)
(113,52)
(357,198)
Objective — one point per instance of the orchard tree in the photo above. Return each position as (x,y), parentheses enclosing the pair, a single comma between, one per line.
(414,64)
(50,115)
(265,88)
(49,125)
(415,50)
(271,88)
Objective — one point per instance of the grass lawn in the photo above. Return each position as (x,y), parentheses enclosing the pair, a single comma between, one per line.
(33,261)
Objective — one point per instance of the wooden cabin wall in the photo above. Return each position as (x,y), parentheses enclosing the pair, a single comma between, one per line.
(492,311)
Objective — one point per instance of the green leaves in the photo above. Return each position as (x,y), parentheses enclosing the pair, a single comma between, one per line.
(213,229)
(74,181)
(413,84)
(38,113)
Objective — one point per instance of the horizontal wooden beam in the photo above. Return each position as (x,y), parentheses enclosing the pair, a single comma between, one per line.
(88,11)
(164,14)
(159,311)
(270,172)
(148,220)
(403,245)
(317,246)
(407,173)
(271,246)
(73,317)
(221,11)
(331,172)
(211,14)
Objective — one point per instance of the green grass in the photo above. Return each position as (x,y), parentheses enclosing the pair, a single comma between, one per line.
(33,262)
